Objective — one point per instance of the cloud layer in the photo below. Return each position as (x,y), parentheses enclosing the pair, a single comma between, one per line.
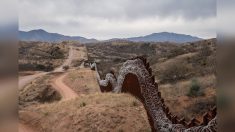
(103,19)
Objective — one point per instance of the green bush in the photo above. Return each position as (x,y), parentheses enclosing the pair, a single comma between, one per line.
(45,67)
(82,104)
(56,53)
(135,103)
(195,89)
(49,67)
(175,52)
(66,67)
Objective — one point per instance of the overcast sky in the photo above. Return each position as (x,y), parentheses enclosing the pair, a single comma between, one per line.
(104,19)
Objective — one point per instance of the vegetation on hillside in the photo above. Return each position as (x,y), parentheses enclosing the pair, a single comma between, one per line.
(185,74)
(37,92)
(41,56)
(174,67)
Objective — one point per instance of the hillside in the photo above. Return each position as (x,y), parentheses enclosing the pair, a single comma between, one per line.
(165,37)
(41,56)
(71,100)
(174,66)
(94,112)
(44,36)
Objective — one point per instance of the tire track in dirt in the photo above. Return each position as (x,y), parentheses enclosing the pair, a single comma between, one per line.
(24,80)
(58,84)
(65,91)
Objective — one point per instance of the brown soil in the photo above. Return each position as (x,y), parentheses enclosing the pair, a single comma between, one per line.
(65,91)
(25,128)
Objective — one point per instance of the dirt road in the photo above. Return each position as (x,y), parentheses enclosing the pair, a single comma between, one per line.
(58,82)
(78,53)
(25,128)
(65,91)
(24,80)
(68,61)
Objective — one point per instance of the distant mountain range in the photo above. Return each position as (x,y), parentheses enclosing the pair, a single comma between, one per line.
(166,36)
(42,35)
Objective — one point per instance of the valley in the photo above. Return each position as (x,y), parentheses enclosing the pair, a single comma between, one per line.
(69,97)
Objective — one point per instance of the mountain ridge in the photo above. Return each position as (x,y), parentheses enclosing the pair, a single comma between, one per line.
(166,36)
(42,35)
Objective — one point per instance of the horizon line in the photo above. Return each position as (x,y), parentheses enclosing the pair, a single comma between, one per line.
(115,37)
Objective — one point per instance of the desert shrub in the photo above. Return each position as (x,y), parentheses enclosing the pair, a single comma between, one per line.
(40,67)
(49,66)
(44,67)
(82,104)
(195,89)
(175,72)
(203,55)
(27,66)
(134,103)
(35,66)
(175,52)
(204,62)
(46,113)
(205,51)
(117,60)
(201,106)
(66,67)
(56,53)
(120,130)
(38,92)
(77,63)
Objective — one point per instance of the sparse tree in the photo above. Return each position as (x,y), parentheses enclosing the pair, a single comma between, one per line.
(195,89)
(66,67)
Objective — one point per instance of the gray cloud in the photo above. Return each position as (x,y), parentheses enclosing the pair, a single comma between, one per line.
(119,18)
(192,9)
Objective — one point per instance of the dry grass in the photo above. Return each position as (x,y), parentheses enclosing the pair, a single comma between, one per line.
(179,103)
(82,81)
(37,92)
(79,55)
(175,74)
(179,63)
(95,112)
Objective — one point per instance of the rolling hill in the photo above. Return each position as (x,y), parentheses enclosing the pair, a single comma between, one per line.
(165,36)
(42,35)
